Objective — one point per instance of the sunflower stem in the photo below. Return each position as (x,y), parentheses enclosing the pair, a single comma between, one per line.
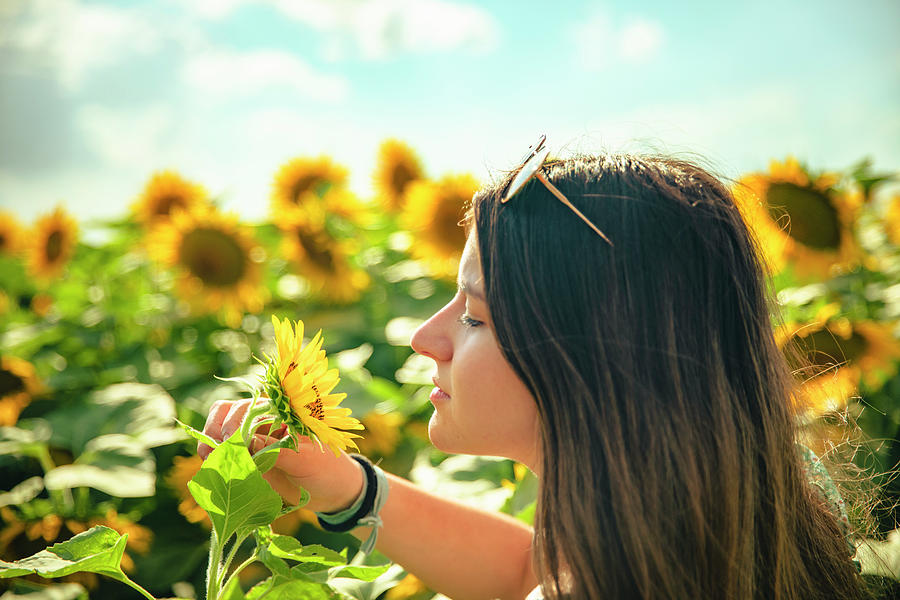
(61,500)
(239,568)
(225,566)
(212,569)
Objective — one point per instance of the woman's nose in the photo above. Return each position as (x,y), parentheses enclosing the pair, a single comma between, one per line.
(432,337)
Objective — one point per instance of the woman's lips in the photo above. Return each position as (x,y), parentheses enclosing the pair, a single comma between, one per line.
(437,394)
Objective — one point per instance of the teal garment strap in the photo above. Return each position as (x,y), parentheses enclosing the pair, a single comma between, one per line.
(373,519)
(821,481)
(348,518)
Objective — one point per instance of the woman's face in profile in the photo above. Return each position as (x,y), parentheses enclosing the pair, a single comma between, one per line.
(481,405)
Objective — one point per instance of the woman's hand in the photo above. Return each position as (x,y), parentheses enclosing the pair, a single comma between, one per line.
(333,482)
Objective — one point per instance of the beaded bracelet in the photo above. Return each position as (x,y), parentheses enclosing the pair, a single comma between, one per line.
(364,510)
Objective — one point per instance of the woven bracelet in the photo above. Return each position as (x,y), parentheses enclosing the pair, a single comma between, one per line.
(371,489)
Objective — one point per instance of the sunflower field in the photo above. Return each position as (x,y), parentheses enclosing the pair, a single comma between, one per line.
(105,344)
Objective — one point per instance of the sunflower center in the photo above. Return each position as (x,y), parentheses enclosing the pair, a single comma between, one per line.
(165,204)
(316,408)
(317,248)
(309,183)
(213,256)
(401,176)
(10,383)
(825,349)
(3,241)
(446,223)
(810,215)
(54,245)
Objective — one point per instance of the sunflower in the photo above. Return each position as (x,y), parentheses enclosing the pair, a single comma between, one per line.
(432,211)
(12,235)
(408,588)
(398,166)
(892,220)
(299,383)
(52,244)
(382,433)
(808,222)
(320,258)
(840,354)
(18,385)
(306,182)
(41,304)
(165,193)
(217,260)
(183,470)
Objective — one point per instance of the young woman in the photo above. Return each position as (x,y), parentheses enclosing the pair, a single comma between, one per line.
(611,331)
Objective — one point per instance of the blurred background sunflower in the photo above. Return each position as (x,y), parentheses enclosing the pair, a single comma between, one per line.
(18,385)
(837,354)
(397,166)
(324,261)
(432,211)
(12,235)
(802,220)
(892,220)
(165,193)
(51,244)
(217,261)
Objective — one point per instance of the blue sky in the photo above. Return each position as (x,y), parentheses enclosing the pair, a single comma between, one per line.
(95,96)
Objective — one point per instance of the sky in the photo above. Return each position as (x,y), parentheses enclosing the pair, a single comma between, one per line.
(95,96)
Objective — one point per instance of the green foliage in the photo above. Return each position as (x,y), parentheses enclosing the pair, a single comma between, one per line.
(120,357)
(98,550)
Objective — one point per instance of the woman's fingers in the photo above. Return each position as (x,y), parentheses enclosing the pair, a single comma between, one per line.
(213,427)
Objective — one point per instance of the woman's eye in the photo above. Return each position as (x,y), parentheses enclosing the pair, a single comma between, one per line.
(468,321)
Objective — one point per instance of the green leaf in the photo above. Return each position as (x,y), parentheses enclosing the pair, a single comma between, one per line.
(361,572)
(232,491)
(111,463)
(197,435)
(124,482)
(287,547)
(232,591)
(298,590)
(30,442)
(24,492)
(98,550)
(61,591)
(144,412)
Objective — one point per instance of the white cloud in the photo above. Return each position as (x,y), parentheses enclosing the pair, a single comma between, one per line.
(600,42)
(640,40)
(221,71)
(72,39)
(377,29)
(134,138)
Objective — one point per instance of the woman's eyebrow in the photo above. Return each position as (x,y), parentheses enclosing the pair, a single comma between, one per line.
(469,290)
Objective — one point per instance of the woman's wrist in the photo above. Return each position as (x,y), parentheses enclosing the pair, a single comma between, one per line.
(354,483)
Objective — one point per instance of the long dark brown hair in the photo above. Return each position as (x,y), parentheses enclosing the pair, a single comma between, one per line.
(669,467)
